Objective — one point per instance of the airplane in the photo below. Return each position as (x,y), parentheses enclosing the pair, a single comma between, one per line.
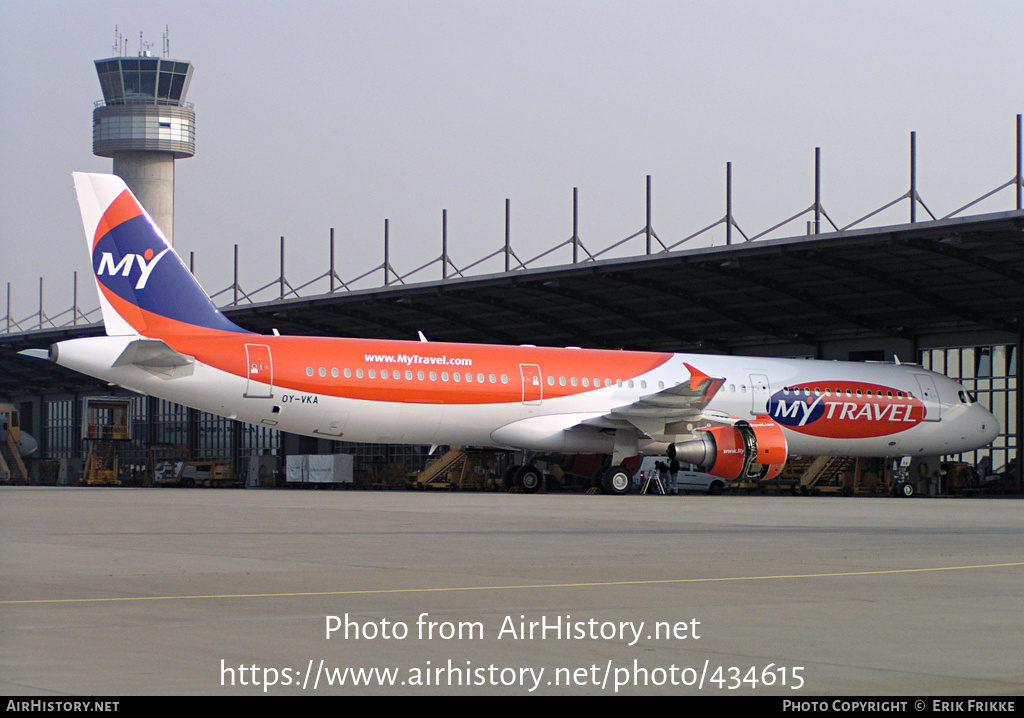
(15,444)
(734,417)
(19,438)
(27,445)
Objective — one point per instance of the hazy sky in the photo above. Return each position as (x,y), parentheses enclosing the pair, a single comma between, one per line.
(313,115)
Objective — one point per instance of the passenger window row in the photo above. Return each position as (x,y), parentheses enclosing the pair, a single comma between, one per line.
(409,375)
(467,377)
(817,391)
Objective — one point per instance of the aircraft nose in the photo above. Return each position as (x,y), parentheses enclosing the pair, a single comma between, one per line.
(988,424)
(28,445)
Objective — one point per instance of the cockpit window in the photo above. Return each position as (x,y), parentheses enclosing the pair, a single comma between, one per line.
(965,398)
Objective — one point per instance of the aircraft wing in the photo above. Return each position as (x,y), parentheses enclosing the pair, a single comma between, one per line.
(675,410)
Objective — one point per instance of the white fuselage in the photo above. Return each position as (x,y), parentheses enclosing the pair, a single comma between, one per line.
(312,388)
(739,415)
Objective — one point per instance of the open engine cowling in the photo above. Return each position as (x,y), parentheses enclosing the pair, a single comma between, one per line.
(754,450)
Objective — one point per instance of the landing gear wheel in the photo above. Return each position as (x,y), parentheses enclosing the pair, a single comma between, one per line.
(508,479)
(905,489)
(528,479)
(616,480)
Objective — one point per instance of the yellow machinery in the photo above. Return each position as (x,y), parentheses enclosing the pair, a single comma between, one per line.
(101,465)
(958,478)
(107,423)
(459,469)
(833,474)
(12,468)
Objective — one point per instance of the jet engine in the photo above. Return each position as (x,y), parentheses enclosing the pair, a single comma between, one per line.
(754,450)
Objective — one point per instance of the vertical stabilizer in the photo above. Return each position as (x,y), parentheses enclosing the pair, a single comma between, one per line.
(143,285)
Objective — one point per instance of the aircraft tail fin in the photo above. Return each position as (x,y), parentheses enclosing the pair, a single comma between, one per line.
(144,287)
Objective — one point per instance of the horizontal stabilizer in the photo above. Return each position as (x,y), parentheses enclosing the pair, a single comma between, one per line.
(155,356)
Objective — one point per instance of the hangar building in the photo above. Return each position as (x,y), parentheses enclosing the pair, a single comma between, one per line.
(947,293)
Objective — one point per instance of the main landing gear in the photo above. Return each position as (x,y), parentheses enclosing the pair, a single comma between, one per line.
(613,480)
(525,478)
(616,480)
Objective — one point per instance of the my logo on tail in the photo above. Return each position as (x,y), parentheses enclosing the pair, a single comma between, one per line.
(146,262)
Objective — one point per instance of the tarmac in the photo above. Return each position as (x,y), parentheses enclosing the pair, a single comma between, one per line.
(121,592)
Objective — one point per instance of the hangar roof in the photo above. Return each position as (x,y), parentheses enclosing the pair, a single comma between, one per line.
(939,283)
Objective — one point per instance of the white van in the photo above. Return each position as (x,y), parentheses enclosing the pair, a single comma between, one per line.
(687,478)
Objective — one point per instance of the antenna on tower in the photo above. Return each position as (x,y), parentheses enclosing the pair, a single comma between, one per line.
(117,42)
(144,46)
(167,41)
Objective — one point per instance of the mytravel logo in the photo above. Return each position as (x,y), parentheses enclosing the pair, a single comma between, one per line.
(843,409)
(146,263)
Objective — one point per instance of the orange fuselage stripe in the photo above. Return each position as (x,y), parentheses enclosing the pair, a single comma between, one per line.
(291,357)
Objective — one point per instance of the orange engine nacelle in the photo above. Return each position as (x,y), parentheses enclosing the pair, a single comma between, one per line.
(754,450)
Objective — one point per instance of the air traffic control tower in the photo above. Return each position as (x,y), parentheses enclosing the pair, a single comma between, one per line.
(144,124)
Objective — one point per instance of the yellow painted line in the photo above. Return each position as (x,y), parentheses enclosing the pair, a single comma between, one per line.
(450,589)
